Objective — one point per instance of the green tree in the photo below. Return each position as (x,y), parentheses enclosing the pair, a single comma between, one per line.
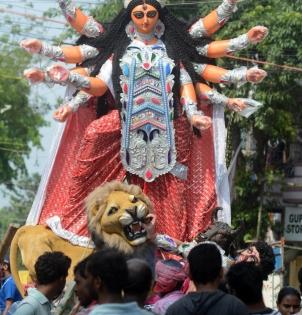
(19,120)
(280,93)
(21,200)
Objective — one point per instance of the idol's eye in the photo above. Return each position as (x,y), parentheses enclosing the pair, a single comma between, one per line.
(139,14)
(112,211)
(151,14)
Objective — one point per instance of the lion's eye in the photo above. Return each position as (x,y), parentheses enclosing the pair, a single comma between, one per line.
(112,210)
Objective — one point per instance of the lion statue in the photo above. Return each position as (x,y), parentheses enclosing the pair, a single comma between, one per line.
(119,216)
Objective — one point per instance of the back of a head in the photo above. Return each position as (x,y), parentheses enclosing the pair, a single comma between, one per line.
(245,281)
(205,263)
(110,266)
(267,258)
(140,278)
(51,266)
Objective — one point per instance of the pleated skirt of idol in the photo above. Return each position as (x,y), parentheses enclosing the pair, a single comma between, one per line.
(86,154)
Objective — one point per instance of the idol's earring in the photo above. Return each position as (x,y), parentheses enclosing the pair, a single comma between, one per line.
(130,30)
(159,29)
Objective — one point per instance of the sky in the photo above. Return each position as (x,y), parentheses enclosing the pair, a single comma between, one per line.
(38,157)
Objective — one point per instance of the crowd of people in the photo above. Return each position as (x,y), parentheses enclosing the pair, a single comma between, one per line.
(108,282)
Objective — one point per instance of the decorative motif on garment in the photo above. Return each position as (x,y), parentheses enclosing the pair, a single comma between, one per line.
(225,10)
(148,145)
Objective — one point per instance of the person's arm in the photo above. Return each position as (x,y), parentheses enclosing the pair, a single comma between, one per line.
(8,304)
(83,24)
(68,54)
(214,21)
(221,48)
(188,101)
(239,76)
(208,95)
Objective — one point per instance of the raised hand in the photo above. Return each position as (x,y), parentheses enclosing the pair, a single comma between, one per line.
(236,104)
(255,75)
(201,122)
(34,75)
(257,34)
(32,45)
(62,113)
(58,73)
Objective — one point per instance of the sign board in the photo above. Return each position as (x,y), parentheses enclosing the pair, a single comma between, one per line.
(293,224)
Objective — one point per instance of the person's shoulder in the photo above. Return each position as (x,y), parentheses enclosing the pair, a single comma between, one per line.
(180,305)
(237,306)
(25,308)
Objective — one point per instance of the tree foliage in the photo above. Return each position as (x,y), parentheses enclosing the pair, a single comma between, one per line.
(19,121)
(20,202)
(280,93)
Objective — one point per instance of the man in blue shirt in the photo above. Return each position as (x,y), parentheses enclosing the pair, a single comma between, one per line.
(8,291)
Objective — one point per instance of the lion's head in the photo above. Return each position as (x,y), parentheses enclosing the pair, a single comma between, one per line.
(118,214)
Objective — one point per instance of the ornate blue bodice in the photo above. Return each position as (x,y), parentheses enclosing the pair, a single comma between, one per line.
(148,144)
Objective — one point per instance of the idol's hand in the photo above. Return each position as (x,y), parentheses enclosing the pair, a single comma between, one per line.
(58,73)
(257,34)
(33,46)
(34,75)
(236,105)
(201,122)
(62,113)
(255,75)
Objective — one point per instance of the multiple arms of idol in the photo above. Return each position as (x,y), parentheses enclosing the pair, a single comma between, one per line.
(79,77)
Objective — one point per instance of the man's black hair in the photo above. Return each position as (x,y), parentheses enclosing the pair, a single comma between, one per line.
(245,280)
(267,258)
(110,267)
(81,267)
(287,291)
(51,266)
(140,278)
(205,263)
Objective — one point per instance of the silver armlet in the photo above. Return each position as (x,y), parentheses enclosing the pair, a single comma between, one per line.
(53,52)
(184,77)
(79,100)
(199,68)
(238,43)
(216,98)
(78,81)
(68,8)
(225,10)
(88,52)
(236,76)
(202,50)
(190,108)
(198,29)
(92,28)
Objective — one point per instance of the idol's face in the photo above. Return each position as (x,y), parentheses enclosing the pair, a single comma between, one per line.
(144,17)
